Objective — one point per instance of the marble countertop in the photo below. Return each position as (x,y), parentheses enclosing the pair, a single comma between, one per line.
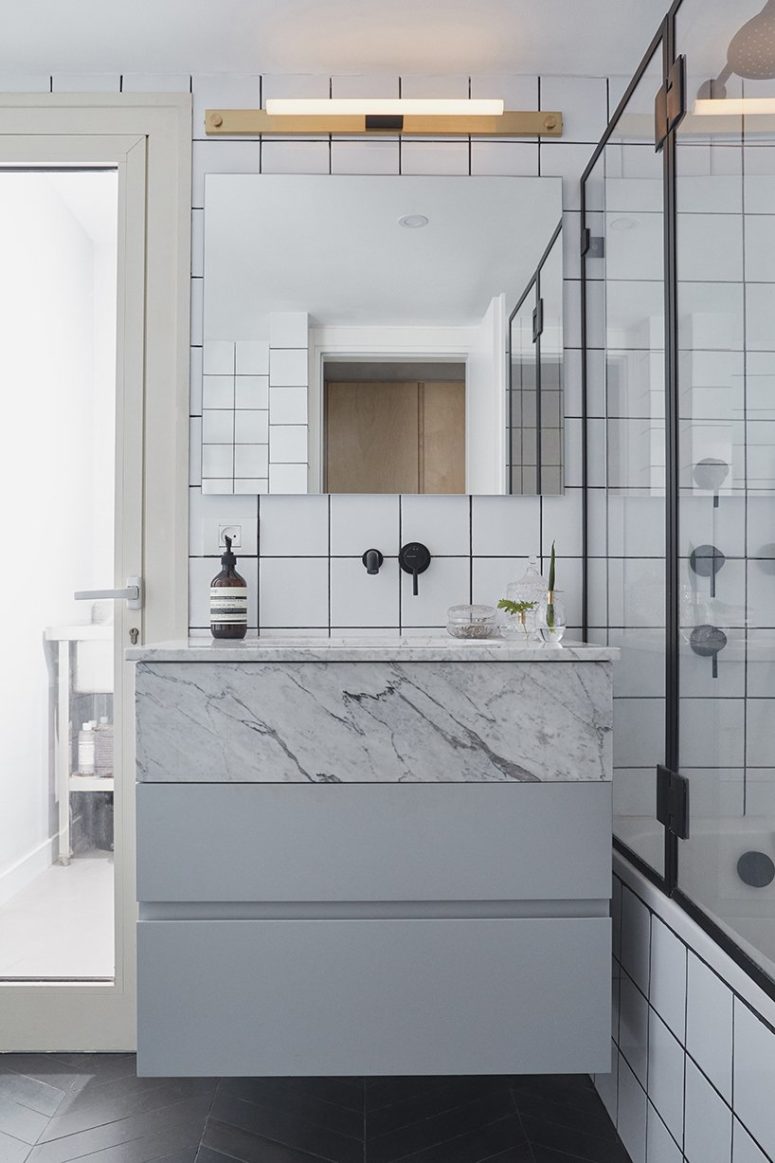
(440,648)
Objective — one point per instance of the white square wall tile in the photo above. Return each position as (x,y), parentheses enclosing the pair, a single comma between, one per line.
(506,526)
(441,523)
(434,85)
(287,405)
(666,1075)
(217,486)
(195,381)
(288,367)
(293,591)
(634,1028)
(218,357)
(197,311)
(222,91)
(251,427)
(754,1074)
(365,157)
(668,976)
(518,158)
(201,571)
(518,91)
(632,1114)
(583,102)
(491,577)
(251,392)
(207,513)
(156,83)
(288,479)
(288,444)
(661,1148)
(366,85)
(361,522)
(289,329)
(252,486)
(708,1121)
(566,160)
(217,460)
(86,83)
(294,526)
(218,391)
(218,426)
(636,936)
(294,85)
(252,357)
(362,599)
(445,583)
(434,157)
(294,157)
(709,1025)
(251,460)
(197,243)
(562,523)
(195,451)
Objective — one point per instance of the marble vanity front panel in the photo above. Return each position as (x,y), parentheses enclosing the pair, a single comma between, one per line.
(373,722)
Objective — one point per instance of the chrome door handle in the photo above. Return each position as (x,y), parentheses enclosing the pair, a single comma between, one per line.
(132,595)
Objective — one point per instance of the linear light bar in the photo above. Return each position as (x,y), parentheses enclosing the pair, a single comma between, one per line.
(733,106)
(382,107)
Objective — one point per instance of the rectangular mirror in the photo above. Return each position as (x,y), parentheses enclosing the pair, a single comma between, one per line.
(382,335)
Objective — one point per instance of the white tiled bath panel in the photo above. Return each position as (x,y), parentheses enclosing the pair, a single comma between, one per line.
(478,546)
(693,1058)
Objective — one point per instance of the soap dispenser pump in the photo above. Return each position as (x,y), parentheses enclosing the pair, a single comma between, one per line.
(228,599)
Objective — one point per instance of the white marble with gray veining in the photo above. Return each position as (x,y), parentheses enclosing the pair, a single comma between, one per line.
(439,648)
(298,712)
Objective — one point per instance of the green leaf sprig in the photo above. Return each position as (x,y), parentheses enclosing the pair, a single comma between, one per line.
(550,617)
(519,609)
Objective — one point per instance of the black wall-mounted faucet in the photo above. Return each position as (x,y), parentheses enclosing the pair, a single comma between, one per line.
(372,559)
(414,558)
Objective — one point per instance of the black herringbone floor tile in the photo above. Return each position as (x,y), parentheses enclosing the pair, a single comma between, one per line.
(573,1141)
(93,1108)
(432,1130)
(270,1121)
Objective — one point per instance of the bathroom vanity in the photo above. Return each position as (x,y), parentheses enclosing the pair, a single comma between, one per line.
(373,857)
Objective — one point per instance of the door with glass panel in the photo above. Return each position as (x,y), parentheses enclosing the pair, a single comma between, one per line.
(73,351)
(625,373)
(725,243)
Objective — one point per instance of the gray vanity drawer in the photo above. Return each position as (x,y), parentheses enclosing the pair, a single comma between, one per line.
(386,842)
(351,997)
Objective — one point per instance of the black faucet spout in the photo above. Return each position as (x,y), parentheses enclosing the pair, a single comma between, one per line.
(372,559)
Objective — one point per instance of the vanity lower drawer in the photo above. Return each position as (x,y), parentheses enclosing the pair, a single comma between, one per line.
(386,842)
(359,997)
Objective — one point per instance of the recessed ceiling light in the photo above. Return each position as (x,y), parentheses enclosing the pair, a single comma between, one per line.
(413,221)
(623,224)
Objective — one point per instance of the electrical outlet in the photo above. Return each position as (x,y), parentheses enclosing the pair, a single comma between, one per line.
(233,531)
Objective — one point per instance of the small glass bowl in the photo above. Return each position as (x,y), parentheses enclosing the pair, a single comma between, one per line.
(471,622)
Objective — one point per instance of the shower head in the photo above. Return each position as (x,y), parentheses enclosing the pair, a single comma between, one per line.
(751,52)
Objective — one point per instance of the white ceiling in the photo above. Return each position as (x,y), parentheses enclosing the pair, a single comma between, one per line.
(333,247)
(577,37)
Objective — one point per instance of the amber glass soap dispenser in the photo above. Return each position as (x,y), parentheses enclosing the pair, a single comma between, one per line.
(228,599)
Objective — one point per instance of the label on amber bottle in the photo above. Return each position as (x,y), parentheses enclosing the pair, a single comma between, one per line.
(228,605)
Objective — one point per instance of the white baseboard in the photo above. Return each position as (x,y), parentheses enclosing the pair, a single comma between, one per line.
(23,872)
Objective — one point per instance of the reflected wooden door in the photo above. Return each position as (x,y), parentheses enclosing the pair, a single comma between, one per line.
(394,437)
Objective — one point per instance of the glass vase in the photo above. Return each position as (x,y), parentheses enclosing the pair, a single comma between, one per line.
(551,618)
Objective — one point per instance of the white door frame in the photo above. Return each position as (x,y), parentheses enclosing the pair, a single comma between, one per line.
(148,139)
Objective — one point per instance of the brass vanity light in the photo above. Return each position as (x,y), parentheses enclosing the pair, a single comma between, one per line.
(289,117)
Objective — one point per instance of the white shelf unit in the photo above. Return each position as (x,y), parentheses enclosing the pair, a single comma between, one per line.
(81,658)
